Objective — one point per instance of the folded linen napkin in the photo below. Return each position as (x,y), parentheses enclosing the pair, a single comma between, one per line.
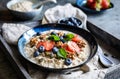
(11,32)
(54,14)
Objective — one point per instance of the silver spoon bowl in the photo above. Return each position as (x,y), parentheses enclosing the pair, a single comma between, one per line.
(103,59)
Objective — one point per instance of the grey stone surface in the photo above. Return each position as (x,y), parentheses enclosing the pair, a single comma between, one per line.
(109,20)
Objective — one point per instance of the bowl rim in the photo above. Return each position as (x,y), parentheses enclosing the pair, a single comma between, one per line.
(59,69)
(12,2)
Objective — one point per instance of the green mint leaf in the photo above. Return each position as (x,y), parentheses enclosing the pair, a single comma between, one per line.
(54,38)
(69,36)
(62,53)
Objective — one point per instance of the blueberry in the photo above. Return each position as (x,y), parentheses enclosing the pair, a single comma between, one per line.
(38,33)
(36,53)
(62,21)
(70,23)
(75,22)
(55,50)
(68,61)
(41,49)
(70,19)
(79,22)
(53,33)
(64,36)
(66,22)
(62,39)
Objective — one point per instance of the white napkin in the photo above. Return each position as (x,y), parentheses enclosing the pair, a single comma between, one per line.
(52,15)
(11,32)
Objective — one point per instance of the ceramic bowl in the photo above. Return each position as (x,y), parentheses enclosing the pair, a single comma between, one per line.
(82,5)
(41,28)
(23,15)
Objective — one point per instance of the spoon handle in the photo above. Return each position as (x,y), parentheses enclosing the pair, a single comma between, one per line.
(43,2)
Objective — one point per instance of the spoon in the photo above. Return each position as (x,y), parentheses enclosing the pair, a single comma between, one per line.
(42,2)
(103,59)
(85,68)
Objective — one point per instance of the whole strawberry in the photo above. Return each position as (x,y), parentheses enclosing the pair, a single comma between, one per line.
(105,4)
(94,4)
(98,4)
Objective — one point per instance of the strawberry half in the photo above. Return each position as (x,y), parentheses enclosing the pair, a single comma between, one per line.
(72,46)
(47,44)
(76,38)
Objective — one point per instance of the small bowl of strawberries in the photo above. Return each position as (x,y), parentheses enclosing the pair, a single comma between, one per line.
(94,6)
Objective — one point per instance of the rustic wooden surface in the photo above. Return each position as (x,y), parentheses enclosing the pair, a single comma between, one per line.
(10,54)
(6,70)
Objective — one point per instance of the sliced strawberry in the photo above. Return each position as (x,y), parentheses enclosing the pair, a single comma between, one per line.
(65,46)
(69,51)
(76,38)
(39,44)
(48,45)
(72,46)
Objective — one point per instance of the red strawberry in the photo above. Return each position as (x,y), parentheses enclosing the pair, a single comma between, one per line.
(96,4)
(76,38)
(67,49)
(72,46)
(89,2)
(93,5)
(105,4)
(47,44)
(39,44)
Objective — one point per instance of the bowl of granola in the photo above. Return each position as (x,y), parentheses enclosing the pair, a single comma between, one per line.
(57,47)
